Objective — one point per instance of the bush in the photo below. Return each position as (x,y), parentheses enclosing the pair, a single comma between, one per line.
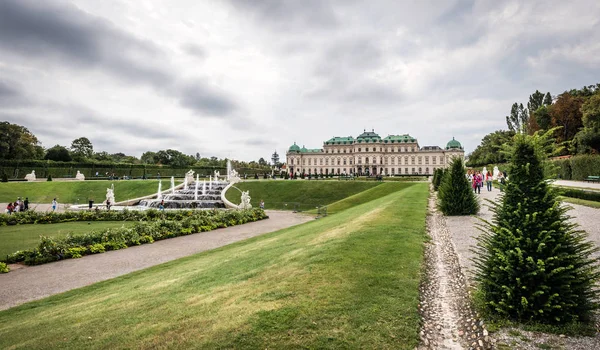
(4,268)
(438,174)
(532,263)
(585,165)
(180,223)
(49,178)
(563,168)
(4,177)
(455,194)
(581,194)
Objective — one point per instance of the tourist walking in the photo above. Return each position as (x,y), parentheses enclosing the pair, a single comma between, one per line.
(54,204)
(262,204)
(9,208)
(26,203)
(488,180)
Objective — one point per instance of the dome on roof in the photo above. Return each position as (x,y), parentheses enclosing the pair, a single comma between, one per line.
(303,149)
(369,135)
(294,148)
(453,144)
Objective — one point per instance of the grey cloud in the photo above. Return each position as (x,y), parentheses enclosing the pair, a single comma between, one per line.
(290,15)
(65,34)
(11,94)
(195,50)
(259,142)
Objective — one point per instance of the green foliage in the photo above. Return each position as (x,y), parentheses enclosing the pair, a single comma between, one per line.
(58,153)
(16,142)
(4,268)
(49,178)
(532,263)
(581,194)
(585,165)
(488,151)
(438,174)
(177,224)
(4,177)
(564,170)
(82,148)
(456,196)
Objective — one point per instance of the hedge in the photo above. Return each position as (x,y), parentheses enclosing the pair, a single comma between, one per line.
(43,168)
(53,249)
(581,194)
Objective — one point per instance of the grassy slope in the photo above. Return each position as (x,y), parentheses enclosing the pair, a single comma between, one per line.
(308,194)
(346,281)
(77,191)
(20,237)
(366,196)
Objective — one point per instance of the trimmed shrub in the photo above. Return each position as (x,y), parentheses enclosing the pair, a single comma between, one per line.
(585,165)
(4,268)
(180,223)
(49,178)
(564,171)
(438,174)
(455,194)
(581,194)
(532,263)
(4,177)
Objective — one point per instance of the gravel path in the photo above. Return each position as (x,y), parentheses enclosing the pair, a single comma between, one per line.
(449,320)
(463,233)
(35,282)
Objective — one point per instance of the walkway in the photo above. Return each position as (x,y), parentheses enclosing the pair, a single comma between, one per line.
(36,282)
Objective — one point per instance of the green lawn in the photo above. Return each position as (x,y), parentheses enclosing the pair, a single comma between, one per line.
(78,191)
(21,237)
(298,194)
(349,280)
(366,196)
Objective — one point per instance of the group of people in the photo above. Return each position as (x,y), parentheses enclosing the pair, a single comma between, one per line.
(17,206)
(477,178)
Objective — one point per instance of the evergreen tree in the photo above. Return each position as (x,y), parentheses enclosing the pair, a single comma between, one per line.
(455,194)
(438,174)
(532,263)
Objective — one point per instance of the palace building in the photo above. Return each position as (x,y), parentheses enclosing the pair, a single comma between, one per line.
(369,154)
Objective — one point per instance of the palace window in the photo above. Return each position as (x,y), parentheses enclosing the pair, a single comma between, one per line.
(321,161)
(413,170)
(338,161)
(426,159)
(367,160)
(441,159)
(367,149)
(350,161)
(420,170)
(326,161)
(426,170)
(344,150)
(420,159)
(380,149)
(412,159)
(303,161)
(344,161)
(392,171)
(433,159)
(359,149)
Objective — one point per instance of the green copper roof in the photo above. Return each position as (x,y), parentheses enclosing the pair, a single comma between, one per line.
(369,135)
(311,150)
(340,141)
(399,138)
(452,144)
(294,148)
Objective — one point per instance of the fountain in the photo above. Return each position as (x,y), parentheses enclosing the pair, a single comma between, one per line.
(189,198)
(159,194)
(185,183)
(172,184)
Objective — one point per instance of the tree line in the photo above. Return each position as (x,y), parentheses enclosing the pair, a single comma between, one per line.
(18,143)
(574,114)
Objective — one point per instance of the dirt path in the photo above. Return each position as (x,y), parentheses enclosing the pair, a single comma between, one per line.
(449,321)
(31,283)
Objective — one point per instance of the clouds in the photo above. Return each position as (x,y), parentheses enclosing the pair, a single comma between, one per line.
(65,35)
(241,78)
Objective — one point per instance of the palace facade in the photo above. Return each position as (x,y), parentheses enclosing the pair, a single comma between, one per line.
(369,154)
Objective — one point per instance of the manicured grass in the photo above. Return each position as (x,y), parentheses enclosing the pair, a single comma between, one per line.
(21,237)
(349,280)
(592,204)
(78,191)
(298,194)
(366,196)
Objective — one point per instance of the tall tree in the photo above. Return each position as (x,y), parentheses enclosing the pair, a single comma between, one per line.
(542,117)
(518,119)
(149,158)
(566,112)
(58,153)
(488,151)
(82,148)
(16,142)
(547,99)
(588,139)
(532,263)
(455,194)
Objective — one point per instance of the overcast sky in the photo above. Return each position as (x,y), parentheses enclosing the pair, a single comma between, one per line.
(241,79)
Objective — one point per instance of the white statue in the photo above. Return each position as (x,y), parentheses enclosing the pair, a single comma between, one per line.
(234,176)
(30,177)
(495,173)
(217,174)
(245,204)
(110,195)
(189,176)
(80,176)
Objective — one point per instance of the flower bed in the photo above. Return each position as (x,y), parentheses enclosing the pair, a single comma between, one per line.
(157,227)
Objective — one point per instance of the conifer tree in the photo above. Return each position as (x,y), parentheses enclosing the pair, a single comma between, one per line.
(532,263)
(455,194)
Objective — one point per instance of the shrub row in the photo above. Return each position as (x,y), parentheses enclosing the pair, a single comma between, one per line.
(53,249)
(34,217)
(581,194)
(578,167)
